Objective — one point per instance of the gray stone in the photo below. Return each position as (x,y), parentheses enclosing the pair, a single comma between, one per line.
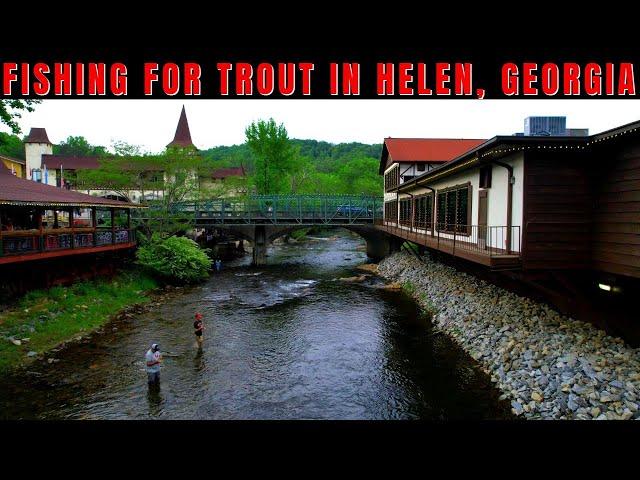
(617,384)
(572,402)
(588,371)
(517,407)
(578,389)
(32,354)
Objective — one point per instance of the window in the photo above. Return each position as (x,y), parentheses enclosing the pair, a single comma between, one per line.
(424,211)
(454,209)
(485,176)
(406,178)
(405,211)
(421,167)
(392,178)
(391,211)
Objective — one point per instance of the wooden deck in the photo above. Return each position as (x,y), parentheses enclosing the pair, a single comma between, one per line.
(26,257)
(494,258)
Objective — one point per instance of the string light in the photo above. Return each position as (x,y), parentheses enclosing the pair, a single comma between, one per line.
(57,204)
(517,148)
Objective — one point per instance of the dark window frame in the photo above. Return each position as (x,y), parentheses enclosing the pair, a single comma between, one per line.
(405,211)
(444,214)
(485,176)
(424,210)
(392,178)
(391,211)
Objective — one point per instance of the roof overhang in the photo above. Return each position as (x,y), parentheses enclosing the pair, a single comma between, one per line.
(123,205)
(494,149)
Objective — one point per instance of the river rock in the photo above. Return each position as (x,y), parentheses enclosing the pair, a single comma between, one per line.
(368,267)
(550,365)
(357,279)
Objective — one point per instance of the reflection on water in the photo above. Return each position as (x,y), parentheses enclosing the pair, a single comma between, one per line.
(282,341)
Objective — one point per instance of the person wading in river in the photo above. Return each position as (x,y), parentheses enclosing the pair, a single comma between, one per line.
(153,357)
(199,328)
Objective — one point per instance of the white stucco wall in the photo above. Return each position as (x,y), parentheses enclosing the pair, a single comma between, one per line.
(497,197)
(407,169)
(33,155)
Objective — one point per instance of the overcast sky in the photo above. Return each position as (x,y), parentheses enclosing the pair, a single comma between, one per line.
(151,123)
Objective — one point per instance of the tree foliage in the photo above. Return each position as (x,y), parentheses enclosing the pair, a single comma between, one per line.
(79,147)
(11,145)
(175,259)
(315,167)
(159,181)
(274,155)
(11,110)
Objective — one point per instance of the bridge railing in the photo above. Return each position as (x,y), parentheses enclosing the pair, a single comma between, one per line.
(304,209)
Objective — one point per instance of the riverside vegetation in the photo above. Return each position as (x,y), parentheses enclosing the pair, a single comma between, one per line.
(548,365)
(43,319)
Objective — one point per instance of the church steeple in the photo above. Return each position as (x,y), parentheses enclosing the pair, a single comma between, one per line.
(182,138)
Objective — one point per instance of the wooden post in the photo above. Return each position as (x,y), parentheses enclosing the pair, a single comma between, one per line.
(73,229)
(113,225)
(94,223)
(129,236)
(41,229)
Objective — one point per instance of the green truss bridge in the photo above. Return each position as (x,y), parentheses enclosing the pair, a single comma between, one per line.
(284,210)
(261,219)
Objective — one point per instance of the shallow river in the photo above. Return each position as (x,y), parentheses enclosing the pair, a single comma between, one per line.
(286,341)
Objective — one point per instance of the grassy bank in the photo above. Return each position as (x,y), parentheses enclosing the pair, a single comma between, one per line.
(48,317)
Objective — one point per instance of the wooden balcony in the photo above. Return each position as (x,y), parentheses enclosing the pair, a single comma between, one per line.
(28,245)
(486,245)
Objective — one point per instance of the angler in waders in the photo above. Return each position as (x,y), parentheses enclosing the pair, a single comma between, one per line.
(153,358)
(199,328)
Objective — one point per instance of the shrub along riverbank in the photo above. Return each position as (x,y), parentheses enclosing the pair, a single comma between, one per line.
(43,319)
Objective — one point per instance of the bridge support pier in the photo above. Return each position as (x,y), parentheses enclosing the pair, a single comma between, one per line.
(260,246)
(379,244)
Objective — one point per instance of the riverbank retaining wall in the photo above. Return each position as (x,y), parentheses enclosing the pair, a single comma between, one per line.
(548,365)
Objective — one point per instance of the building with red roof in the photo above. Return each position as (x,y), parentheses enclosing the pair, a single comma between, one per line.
(403,159)
(39,221)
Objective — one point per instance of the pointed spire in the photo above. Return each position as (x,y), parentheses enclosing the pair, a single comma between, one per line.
(182,138)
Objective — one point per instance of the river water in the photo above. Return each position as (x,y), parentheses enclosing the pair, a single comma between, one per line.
(286,341)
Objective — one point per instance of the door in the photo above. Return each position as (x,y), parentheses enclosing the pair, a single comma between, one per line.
(483,211)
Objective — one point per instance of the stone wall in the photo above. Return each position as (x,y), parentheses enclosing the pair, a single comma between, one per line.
(549,366)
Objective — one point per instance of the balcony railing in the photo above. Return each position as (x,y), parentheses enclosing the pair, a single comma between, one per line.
(24,242)
(482,240)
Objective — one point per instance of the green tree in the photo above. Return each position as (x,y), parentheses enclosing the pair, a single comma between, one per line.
(360,175)
(11,110)
(11,145)
(78,146)
(159,181)
(274,155)
(124,149)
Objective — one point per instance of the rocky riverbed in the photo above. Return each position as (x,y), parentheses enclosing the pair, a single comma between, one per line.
(548,365)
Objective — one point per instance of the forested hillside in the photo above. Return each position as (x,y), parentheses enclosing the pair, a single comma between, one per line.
(312,167)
